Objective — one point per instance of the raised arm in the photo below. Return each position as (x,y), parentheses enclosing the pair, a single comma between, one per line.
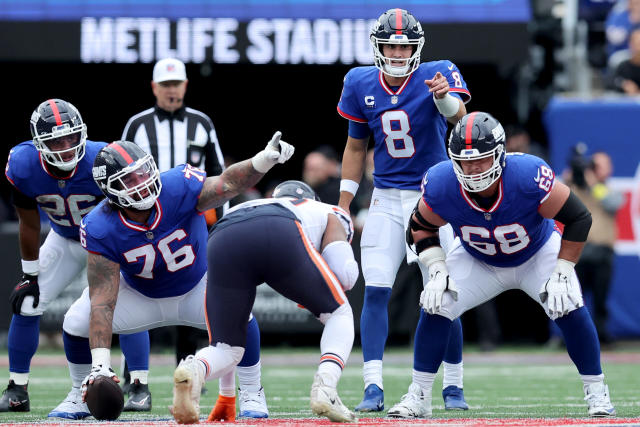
(242,175)
(353,164)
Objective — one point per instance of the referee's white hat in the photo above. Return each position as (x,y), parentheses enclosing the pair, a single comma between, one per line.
(169,69)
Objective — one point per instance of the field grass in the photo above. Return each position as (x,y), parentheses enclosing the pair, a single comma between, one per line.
(505,384)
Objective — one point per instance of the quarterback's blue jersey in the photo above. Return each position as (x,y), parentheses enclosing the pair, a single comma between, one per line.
(64,200)
(510,231)
(408,130)
(165,257)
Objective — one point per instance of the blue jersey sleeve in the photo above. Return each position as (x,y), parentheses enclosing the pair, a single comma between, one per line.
(457,85)
(536,178)
(94,232)
(18,168)
(358,130)
(433,186)
(184,184)
(348,105)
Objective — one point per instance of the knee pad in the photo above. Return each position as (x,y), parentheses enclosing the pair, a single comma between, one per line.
(344,311)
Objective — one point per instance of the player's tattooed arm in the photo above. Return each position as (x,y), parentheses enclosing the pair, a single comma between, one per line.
(104,281)
(234,180)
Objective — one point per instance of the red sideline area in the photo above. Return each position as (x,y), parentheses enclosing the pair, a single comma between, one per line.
(491,422)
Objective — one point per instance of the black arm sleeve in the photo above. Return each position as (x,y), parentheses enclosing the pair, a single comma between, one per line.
(576,219)
(20,200)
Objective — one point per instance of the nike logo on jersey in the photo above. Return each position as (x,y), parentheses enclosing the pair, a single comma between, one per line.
(140,402)
(450,67)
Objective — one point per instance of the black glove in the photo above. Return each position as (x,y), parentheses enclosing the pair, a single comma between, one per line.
(27,286)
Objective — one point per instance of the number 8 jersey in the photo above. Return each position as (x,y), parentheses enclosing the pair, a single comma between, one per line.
(166,256)
(510,231)
(408,129)
(64,200)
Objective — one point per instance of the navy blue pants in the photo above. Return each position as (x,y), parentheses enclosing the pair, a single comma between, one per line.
(262,249)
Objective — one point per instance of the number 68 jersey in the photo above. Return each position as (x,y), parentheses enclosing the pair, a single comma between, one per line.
(510,231)
(408,130)
(166,256)
(64,200)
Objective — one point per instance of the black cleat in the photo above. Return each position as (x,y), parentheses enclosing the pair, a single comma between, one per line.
(15,398)
(139,398)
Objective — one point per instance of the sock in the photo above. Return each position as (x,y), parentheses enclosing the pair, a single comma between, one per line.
(432,335)
(581,339)
(19,379)
(135,348)
(374,322)
(453,354)
(330,369)
(76,349)
(252,350)
(424,380)
(78,373)
(587,380)
(142,376)
(227,385)
(452,375)
(219,360)
(249,377)
(24,334)
(372,373)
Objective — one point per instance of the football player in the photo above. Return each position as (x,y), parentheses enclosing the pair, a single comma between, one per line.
(298,246)
(147,250)
(52,172)
(503,208)
(405,105)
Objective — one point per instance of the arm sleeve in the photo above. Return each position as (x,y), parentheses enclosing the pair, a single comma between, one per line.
(457,85)
(358,130)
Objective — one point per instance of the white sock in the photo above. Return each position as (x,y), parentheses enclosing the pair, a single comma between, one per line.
(372,373)
(249,377)
(227,384)
(587,380)
(424,380)
(330,373)
(452,374)
(219,360)
(78,373)
(142,376)
(18,378)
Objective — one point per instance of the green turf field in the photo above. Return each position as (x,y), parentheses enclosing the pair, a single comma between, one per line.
(503,384)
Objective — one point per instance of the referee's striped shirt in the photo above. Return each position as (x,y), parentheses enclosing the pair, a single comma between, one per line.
(184,136)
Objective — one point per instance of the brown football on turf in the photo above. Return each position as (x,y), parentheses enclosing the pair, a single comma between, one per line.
(105,398)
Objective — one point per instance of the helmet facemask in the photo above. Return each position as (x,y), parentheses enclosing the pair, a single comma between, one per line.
(56,158)
(383,63)
(137,185)
(481,181)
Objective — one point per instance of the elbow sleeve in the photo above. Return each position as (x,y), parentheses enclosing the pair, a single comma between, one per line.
(339,257)
(576,219)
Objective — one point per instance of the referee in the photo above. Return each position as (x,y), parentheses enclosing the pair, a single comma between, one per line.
(175,134)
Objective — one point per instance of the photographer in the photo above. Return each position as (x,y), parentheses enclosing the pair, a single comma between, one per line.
(588,180)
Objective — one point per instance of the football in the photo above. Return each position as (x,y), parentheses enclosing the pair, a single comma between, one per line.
(105,399)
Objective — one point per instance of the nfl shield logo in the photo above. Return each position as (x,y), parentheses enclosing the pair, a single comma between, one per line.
(487,216)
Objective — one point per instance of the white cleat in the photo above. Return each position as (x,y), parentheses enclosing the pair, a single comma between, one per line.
(597,397)
(72,407)
(253,404)
(415,404)
(188,380)
(326,403)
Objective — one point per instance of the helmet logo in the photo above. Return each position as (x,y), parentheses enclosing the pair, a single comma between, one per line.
(498,132)
(99,172)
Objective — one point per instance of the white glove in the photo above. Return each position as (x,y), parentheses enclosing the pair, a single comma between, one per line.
(439,280)
(97,371)
(559,290)
(276,151)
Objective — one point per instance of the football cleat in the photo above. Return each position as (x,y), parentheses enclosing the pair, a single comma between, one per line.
(15,398)
(224,410)
(326,403)
(139,397)
(373,400)
(415,404)
(72,407)
(454,399)
(253,404)
(188,379)
(597,397)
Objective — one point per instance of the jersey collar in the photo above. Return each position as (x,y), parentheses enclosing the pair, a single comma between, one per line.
(475,206)
(386,87)
(136,226)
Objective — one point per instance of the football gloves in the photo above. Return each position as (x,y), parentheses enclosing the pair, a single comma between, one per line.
(560,292)
(276,151)
(439,280)
(27,286)
(97,371)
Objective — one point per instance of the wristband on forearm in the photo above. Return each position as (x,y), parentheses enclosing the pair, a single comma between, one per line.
(101,357)
(349,186)
(448,106)
(30,267)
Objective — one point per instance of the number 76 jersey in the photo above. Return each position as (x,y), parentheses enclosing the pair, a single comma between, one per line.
(510,231)
(408,130)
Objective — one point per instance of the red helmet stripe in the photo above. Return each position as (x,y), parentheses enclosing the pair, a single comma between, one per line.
(123,152)
(398,21)
(468,131)
(56,112)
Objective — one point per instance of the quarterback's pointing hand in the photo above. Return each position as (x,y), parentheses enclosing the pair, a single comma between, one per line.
(438,85)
